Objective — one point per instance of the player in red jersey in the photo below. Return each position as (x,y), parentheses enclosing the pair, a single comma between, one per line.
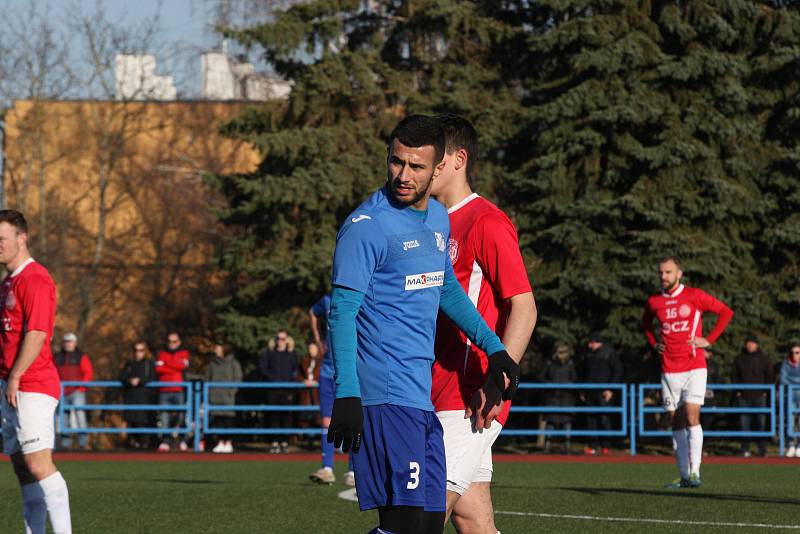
(679,310)
(484,250)
(29,384)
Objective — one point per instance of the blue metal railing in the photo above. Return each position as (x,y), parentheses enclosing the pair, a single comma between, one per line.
(629,411)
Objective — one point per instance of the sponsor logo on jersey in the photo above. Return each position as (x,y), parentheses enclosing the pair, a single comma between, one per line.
(424,280)
(453,249)
(360,218)
(11,300)
(439,241)
(685,310)
(410,244)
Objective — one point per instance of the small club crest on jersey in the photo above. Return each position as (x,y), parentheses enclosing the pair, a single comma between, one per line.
(685,310)
(453,249)
(439,241)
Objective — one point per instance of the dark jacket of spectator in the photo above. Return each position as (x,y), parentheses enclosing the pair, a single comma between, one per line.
(753,368)
(170,366)
(144,370)
(225,369)
(74,365)
(601,366)
(279,365)
(559,372)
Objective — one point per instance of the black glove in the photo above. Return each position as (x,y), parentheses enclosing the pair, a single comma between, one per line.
(501,363)
(347,424)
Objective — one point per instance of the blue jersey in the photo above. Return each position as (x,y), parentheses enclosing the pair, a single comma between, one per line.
(398,259)
(322,308)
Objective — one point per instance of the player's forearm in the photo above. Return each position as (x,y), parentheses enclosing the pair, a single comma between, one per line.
(312,319)
(725,316)
(521,321)
(345,304)
(31,347)
(457,306)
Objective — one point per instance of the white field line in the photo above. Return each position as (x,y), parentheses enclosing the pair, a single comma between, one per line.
(649,520)
(348,495)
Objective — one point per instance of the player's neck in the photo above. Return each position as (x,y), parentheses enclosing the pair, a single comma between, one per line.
(455,193)
(673,291)
(18,260)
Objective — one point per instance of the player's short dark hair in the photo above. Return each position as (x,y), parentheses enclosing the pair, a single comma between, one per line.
(459,134)
(674,259)
(15,219)
(421,130)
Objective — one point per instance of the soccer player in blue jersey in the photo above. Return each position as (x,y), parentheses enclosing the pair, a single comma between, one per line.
(391,275)
(318,318)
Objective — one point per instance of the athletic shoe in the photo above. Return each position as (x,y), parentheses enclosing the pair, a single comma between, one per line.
(228,448)
(183,446)
(284,447)
(791,452)
(219,448)
(694,481)
(746,454)
(678,483)
(323,475)
(164,447)
(588,451)
(350,479)
(605,452)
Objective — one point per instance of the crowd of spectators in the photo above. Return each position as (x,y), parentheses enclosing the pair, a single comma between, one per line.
(596,362)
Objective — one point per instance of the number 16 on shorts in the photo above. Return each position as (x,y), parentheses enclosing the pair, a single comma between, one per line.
(413,481)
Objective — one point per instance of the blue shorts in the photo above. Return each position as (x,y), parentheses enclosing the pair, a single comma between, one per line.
(401,461)
(327,390)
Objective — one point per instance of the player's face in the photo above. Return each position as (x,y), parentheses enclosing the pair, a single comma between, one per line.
(795,353)
(69,346)
(11,243)
(411,172)
(670,275)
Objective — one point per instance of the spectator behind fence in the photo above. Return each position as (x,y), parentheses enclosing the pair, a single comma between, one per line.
(559,369)
(135,374)
(752,366)
(279,364)
(74,364)
(601,364)
(170,367)
(714,377)
(309,375)
(790,376)
(223,368)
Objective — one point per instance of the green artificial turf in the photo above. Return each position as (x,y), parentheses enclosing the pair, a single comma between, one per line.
(249,497)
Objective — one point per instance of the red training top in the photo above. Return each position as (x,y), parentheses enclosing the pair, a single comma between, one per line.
(28,297)
(680,314)
(484,250)
(170,366)
(74,366)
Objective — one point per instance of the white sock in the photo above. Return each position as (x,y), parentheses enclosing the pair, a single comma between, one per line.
(56,497)
(681,442)
(34,511)
(695,448)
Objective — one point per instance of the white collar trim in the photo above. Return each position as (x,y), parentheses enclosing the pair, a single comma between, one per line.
(21,267)
(677,292)
(463,203)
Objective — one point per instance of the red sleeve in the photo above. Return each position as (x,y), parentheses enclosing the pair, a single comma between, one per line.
(38,298)
(708,303)
(497,253)
(87,371)
(160,366)
(647,325)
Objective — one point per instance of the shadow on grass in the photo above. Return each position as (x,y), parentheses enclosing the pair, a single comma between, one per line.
(683,494)
(165,480)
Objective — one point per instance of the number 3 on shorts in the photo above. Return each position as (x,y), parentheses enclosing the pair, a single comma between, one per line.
(414,482)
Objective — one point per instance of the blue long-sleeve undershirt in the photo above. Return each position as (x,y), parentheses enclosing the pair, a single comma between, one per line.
(457,306)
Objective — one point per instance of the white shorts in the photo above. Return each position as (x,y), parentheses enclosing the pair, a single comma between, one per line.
(468,453)
(29,427)
(680,388)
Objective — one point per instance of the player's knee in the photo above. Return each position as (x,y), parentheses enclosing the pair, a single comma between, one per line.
(40,467)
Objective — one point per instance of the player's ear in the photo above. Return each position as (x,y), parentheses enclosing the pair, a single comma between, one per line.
(461,158)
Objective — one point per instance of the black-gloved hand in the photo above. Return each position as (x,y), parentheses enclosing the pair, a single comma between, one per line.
(501,363)
(347,424)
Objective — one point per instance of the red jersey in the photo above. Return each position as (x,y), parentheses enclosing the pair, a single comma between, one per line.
(484,250)
(28,298)
(681,316)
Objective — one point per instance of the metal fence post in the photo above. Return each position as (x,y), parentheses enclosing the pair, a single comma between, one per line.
(632,407)
(198,420)
(781,419)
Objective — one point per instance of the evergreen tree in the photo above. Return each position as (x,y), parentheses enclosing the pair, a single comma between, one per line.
(357,68)
(655,128)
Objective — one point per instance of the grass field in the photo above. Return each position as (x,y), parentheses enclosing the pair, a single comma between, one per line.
(249,497)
